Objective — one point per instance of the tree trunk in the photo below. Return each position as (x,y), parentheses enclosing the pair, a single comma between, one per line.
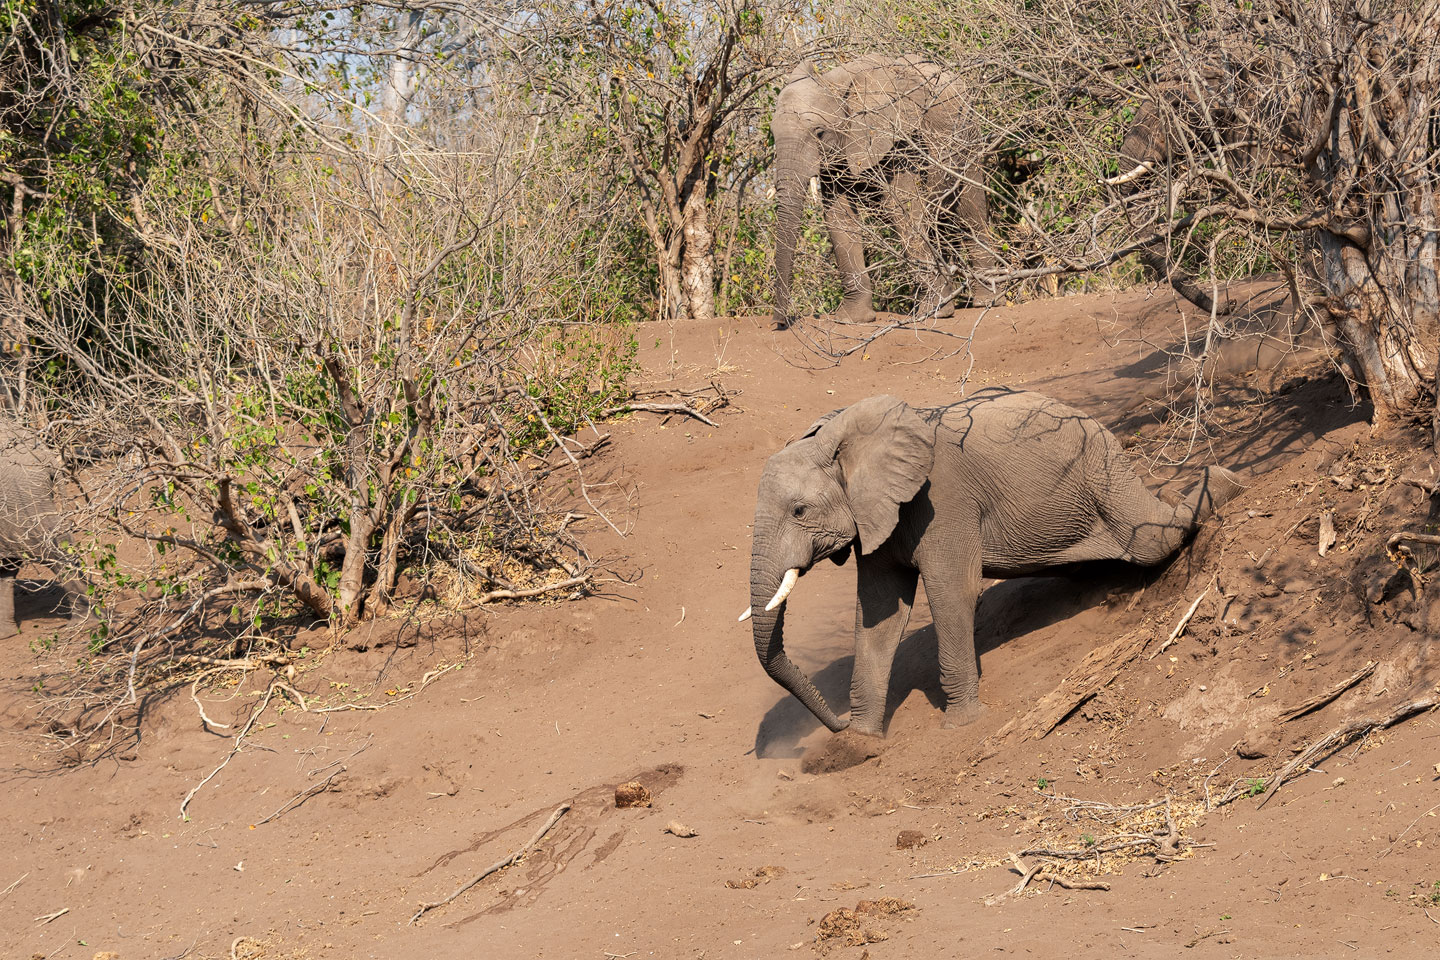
(670,259)
(698,277)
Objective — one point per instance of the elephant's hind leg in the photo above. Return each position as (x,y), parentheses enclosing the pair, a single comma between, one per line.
(952,591)
(1147,530)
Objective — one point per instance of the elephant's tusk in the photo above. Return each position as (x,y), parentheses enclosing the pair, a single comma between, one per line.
(786,585)
(1143,168)
(746,615)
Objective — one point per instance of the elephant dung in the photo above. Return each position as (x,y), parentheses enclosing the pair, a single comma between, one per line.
(632,794)
(910,839)
(678,829)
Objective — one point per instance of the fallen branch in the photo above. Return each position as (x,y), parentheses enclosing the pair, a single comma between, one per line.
(1346,733)
(502,594)
(1070,884)
(1321,699)
(684,408)
(497,865)
(1101,666)
(1026,874)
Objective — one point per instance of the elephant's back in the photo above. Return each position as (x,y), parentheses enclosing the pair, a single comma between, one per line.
(22,450)
(1003,417)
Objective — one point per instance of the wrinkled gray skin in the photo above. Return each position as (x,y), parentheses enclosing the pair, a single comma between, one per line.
(32,528)
(1002,484)
(877,131)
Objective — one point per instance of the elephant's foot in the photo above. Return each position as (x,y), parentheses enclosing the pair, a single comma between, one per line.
(856,311)
(940,305)
(846,749)
(962,714)
(781,320)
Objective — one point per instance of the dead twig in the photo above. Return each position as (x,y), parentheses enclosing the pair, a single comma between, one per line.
(48,917)
(1184,621)
(6,892)
(1346,733)
(497,865)
(1321,699)
(301,797)
(682,408)
(1394,843)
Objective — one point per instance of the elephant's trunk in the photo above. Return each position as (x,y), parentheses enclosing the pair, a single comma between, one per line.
(769,632)
(791,184)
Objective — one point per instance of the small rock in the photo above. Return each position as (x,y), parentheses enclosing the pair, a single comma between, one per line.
(679,829)
(1269,590)
(632,794)
(910,839)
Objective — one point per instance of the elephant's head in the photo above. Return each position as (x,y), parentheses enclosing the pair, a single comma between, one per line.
(844,123)
(1171,125)
(844,480)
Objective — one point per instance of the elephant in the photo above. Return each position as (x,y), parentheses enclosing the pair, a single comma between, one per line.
(32,527)
(886,131)
(1165,130)
(1004,483)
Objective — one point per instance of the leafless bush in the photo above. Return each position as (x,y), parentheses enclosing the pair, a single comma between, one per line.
(340,346)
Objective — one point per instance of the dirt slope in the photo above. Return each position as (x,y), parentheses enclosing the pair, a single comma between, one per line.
(654,680)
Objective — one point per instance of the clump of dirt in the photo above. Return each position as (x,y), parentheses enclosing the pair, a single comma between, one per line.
(910,839)
(632,793)
(855,927)
(760,876)
(841,752)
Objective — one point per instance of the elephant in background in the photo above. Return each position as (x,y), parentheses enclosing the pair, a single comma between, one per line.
(32,528)
(1002,484)
(887,132)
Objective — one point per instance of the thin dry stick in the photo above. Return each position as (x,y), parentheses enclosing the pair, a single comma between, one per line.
(1320,699)
(1347,732)
(497,865)
(1026,874)
(6,892)
(47,917)
(1397,840)
(1184,622)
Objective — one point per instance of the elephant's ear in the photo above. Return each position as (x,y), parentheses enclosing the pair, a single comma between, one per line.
(881,109)
(885,452)
(814,428)
(805,70)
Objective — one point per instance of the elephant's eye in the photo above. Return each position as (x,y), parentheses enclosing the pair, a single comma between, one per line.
(799,510)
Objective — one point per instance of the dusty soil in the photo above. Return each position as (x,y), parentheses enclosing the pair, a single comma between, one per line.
(557,703)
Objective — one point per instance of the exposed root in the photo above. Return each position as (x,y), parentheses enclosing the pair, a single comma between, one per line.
(1346,733)
(1321,699)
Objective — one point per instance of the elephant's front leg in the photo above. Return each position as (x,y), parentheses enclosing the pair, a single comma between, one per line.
(952,587)
(843,223)
(886,592)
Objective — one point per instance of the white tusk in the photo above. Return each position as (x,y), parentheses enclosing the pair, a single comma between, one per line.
(746,615)
(1135,174)
(786,585)
(814,188)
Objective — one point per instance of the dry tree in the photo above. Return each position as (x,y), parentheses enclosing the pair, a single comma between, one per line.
(1213,142)
(320,344)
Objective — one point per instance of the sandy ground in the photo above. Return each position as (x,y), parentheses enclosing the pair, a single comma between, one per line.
(556,703)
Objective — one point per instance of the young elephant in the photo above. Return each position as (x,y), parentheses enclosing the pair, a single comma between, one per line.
(31,526)
(1002,484)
